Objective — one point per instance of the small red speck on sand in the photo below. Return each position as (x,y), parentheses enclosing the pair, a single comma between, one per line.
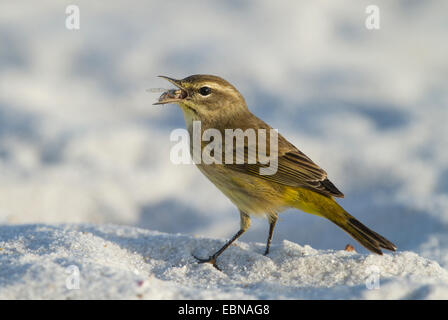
(140,283)
(349,248)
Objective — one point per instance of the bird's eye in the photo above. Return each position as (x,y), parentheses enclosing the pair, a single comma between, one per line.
(205,91)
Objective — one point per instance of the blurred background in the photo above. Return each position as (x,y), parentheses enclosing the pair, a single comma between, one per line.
(80,141)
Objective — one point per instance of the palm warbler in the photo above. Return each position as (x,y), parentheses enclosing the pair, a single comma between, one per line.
(297,183)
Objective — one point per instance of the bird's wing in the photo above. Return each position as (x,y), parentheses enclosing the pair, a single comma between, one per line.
(294,169)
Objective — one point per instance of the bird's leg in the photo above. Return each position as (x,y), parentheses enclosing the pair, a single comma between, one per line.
(272,222)
(244,225)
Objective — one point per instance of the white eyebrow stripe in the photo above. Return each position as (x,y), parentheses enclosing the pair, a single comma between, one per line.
(212,85)
(216,86)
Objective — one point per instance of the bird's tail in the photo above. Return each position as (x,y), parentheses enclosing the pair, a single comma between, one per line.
(368,238)
(328,208)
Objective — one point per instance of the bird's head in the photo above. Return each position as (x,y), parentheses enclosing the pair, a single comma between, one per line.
(205,97)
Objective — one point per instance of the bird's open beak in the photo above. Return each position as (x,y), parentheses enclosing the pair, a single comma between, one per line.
(173,95)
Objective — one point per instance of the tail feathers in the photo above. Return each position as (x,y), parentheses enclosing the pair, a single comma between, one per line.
(327,207)
(368,238)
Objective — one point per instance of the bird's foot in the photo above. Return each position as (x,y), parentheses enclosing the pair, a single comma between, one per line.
(211,260)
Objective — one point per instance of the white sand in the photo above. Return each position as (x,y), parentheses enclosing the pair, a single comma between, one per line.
(38,261)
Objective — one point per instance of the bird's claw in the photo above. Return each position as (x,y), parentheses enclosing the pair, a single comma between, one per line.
(211,260)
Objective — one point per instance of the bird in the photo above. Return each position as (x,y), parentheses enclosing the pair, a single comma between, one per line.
(297,182)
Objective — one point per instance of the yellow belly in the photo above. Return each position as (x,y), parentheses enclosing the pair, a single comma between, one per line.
(260,197)
(251,195)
